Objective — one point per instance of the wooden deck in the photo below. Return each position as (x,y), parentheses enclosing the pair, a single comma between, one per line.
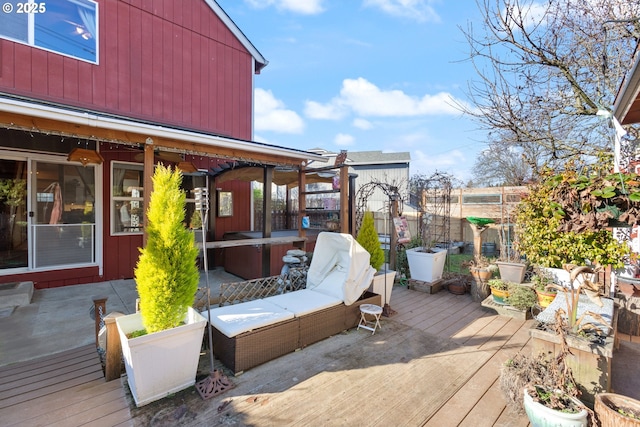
(434,363)
(66,389)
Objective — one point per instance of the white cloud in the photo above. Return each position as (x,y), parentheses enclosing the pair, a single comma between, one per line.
(271,114)
(362,124)
(453,162)
(420,10)
(331,111)
(343,140)
(366,99)
(304,7)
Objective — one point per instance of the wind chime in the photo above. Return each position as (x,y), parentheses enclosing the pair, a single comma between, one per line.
(216,382)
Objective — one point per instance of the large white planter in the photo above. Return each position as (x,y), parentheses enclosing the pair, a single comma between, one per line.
(164,362)
(382,284)
(426,266)
(541,416)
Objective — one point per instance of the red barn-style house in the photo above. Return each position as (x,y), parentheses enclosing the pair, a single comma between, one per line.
(93,93)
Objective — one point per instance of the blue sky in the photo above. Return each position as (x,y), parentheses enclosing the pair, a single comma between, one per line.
(365,75)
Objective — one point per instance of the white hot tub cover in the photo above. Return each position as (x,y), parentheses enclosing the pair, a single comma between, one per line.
(339,267)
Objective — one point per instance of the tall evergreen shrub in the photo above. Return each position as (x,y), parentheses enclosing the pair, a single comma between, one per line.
(368,239)
(166,274)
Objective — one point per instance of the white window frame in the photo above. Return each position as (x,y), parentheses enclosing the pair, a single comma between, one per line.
(113,199)
(40,6)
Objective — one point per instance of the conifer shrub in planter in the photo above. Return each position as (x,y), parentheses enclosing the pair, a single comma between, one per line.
(161,344)
(382,283)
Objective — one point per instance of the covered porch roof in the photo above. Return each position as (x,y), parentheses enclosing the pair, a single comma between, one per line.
(55,119)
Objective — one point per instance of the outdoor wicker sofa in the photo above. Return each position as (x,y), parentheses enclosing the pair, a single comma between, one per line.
(253,332)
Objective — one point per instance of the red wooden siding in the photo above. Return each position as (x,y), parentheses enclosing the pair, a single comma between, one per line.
(57,278)
(121,251)
(166,61)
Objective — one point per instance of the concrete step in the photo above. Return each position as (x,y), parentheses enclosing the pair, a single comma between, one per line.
(15,294)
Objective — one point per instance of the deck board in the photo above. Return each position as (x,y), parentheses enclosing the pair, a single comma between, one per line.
(479,401)
(64,389)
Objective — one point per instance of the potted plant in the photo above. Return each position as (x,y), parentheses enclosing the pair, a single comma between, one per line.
(543,386)
(482,270)
(425,263)
(499,290)
(161,343)
(368,238)
(585,320)
(551,233)
(511,265)
(521,297)
(541,281)
(616,410)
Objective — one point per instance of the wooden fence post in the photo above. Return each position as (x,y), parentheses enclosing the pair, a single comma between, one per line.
(100,309)
(113,352)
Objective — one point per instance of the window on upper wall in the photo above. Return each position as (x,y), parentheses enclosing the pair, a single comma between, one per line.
(67,27)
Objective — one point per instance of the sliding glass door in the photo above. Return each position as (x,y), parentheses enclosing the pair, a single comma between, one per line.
(63,222)
(47,214)
(13,214)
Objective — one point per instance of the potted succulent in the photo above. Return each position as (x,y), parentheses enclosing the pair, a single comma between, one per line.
(368,238)
(499,290)
(521,297)
(161,343)
(541,282)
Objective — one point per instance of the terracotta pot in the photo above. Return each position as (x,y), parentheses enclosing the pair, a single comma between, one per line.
(479,288)
(609,408)
(458,288)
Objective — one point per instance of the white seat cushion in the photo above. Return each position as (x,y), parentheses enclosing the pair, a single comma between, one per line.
(304,301)
(235,319)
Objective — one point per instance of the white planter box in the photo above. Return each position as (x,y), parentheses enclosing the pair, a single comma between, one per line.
(164,362)
(382,284)
(426,266)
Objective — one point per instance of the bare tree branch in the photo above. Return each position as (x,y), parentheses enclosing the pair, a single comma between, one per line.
(543,72)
